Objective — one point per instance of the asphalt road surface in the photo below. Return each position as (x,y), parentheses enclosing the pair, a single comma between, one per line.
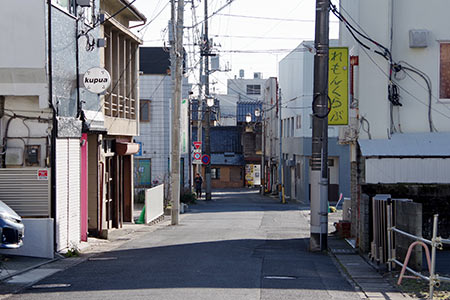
(240,246)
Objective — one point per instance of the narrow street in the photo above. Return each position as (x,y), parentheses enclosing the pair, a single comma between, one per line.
(239,246)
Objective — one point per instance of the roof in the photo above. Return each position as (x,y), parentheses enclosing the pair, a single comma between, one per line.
(245,107)
(223,139)
(435,144)
(227,159)
(134,10)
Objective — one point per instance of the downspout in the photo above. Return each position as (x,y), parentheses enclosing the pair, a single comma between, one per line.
(77,62)
(54,125)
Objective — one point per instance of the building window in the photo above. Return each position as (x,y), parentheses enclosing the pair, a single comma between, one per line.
(444,70)
(215,173)
(67,5)
(298,122)
(144,110)
(292,126)
(253,89)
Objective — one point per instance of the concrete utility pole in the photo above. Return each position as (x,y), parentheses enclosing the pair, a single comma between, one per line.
(177,54)
(199,109)
(319,160)
(280,158)
(207,148)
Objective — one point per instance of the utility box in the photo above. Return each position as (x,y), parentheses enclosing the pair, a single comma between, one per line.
(32,153)
(418,38)
(14,156)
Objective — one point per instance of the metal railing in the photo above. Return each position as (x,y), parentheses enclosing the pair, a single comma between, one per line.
(435,243)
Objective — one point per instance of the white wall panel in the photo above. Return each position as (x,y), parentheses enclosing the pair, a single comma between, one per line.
(67,193)
(408,170)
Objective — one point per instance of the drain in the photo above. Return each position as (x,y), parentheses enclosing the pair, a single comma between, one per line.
(51,285)
(280,277)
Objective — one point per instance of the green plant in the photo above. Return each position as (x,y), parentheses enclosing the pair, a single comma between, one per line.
(188,198)
(72,252)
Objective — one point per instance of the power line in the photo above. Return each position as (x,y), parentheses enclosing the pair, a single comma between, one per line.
(264,51)
(271,18)
(213,14)
(261,37)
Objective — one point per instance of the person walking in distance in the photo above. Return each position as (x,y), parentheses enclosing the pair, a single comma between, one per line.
(198,185)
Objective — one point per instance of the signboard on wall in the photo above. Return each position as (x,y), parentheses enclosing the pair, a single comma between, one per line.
(96,80)
(184,126)
(252,174)
(338,86)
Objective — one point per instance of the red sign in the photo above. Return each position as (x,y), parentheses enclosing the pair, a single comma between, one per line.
(42,175)
(197,145)
(205,159)
(197,155)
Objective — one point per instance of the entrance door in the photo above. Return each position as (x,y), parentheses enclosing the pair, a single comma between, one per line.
(110,191)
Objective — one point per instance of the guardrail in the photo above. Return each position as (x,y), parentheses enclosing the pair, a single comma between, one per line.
(435,243)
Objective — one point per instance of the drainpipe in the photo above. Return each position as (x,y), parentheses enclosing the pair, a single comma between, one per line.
(77,62)
(54,125)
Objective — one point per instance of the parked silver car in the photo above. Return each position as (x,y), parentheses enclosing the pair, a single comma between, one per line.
(11,228)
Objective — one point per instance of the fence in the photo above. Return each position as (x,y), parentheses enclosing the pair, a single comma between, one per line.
(379,244)
(435,243)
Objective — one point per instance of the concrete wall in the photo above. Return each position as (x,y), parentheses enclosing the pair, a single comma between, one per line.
(238,88)
(408,217)
(154,203)
(372,80)
(23,56)
(37,241)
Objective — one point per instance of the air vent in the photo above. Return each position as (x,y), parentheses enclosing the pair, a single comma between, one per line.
(418,38)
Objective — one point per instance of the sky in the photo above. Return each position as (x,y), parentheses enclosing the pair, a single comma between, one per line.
(253,35)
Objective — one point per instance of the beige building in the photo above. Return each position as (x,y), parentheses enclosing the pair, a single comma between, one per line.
(110,161)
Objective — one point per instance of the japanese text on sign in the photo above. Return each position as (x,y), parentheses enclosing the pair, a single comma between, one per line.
(338,86)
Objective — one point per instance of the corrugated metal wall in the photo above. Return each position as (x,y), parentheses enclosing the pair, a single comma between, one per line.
(23,191)
(407,170)
(67,193)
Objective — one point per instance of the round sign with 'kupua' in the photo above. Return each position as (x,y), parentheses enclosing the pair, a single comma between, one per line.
(96,80)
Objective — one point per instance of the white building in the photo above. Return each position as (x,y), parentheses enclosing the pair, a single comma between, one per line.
(152,165)
(296,85)
(239,89)
(407,143)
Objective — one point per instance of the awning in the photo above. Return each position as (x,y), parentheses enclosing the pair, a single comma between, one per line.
(94,121)
(126,148)
(436,144)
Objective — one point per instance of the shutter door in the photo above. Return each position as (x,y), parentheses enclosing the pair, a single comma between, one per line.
(25,192)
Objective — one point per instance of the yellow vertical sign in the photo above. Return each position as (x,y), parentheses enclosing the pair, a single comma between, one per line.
(338,86)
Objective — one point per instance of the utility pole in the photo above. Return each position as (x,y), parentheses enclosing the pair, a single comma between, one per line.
(199,108)
(263,148)
(319,160)
(177,74)
(280,158)
(207,148)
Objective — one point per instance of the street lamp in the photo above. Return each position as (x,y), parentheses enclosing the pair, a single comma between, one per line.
(248,117)
(210,101)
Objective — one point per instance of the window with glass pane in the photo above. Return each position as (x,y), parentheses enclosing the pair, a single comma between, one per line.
(253,89)
(145,111)
(215,173)
(444,78)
